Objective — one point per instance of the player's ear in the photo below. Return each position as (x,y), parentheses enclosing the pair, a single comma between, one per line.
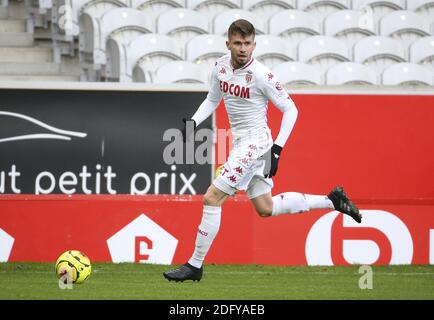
(227,45)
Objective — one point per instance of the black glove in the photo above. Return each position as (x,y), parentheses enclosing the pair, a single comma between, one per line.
(273,158)
(190,123)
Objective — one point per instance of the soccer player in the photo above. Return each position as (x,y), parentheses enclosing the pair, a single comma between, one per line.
(246,86)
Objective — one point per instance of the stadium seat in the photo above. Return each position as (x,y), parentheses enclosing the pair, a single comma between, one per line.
(97,8)
(422,52)
(88,15)
(210,8)
(206,49)
(379,52)
(182,25)
(153,8)
(297,73)
(323,52)
(345,25)
(424,8)
(406,26)
(267,8)
(374,10)
(294,25)
(176,72)
(39,13)
(320,8)
(273,50)
(350,73)
(223,20)
(121,24)
(64,26)
(407,74)
(149,51)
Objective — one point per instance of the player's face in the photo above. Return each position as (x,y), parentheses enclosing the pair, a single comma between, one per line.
(241,49)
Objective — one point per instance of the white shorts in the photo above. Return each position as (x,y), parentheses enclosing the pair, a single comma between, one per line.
(244,169)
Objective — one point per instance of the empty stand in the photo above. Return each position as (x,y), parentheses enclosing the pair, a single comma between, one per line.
(39,13)
(148,51)
(273,50)
(321,8)
(379,52)
(294,25)
(153,8)
(404,25)
(351,73)
(268,8)
(424,8)
(182,24)
(407,74)
(223,20)
(65,27)
(374,10)
(323,52)
(121,24)
(206,49)
(422,52)
(347,25)
(210,8)
(297,73)
(176,72)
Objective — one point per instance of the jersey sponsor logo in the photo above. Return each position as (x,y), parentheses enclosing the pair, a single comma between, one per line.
(235,90)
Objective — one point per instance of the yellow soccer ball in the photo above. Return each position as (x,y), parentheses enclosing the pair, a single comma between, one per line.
(74,266)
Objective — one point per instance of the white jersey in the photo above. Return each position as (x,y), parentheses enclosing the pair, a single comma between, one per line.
(246,92)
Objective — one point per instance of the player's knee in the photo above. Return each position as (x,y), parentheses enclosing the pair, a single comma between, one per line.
(210,198)
(264,211)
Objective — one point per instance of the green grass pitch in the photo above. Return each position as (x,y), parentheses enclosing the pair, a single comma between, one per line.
(222,282)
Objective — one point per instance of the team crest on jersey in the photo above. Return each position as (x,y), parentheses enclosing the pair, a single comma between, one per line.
(249,76)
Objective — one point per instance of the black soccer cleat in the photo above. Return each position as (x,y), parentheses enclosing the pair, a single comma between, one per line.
(343,204)
(184,272)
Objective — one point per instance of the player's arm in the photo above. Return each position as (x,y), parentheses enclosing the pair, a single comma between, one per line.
(210,104)
(280,98)
(206,108)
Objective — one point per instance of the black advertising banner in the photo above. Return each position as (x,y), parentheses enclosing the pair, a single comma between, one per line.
(100,142)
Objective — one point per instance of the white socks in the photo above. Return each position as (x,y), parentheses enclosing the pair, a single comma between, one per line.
(294,202)
(206,233)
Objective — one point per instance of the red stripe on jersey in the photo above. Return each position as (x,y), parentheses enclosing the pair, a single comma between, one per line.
(248,64)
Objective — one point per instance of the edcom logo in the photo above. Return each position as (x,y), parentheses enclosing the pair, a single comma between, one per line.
(381,238)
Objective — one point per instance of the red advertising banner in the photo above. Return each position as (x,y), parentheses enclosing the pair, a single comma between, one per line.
(379,147)
(162,229)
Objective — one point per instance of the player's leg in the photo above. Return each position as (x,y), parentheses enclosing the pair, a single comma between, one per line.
(207,231)
(266,205)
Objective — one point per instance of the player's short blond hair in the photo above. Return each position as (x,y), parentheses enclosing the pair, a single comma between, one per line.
(241,27)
